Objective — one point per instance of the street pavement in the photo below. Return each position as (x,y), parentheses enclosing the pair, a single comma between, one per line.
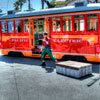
(22,78)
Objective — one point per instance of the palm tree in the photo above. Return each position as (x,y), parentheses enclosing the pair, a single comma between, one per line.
(16,5)
(42,2)
(49,4)
(29,4)
(0,11)
(53,3)
(21,2)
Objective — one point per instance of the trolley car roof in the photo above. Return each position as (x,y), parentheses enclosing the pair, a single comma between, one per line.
(69,9)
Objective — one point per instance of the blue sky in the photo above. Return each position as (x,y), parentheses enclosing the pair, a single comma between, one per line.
(6,5)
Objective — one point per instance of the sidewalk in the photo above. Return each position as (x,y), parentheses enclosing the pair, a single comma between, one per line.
(24,79)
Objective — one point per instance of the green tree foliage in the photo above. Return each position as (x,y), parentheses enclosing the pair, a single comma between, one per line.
(21,2)
(61,3)
(53,3)
(18,4)
(0,11)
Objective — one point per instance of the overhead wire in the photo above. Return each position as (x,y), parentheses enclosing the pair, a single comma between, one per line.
(11,2)
(7,5)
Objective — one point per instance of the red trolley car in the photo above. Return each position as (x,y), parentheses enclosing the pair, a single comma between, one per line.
(74,31)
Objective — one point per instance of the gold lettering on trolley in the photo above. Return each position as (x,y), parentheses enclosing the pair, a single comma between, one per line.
(89,38)
(15,38)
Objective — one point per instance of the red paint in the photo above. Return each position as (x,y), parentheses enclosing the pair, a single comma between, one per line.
(85,16)
(14,27)
(73,26)
(61,24)
(18,41)
(7,26)
(22,26)
(0,32)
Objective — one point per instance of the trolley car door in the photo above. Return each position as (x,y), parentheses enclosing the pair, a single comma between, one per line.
(31,33)
(39,26)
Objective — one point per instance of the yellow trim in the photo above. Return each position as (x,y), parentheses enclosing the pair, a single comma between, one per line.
(31,31)
(58,56)
(5,38)
(46,24)
(90,38)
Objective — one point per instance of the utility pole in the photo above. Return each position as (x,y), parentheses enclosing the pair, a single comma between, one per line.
(29,5)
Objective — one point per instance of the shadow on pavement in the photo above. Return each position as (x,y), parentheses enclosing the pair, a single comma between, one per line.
(80,79)
(19,60)
(49,69)
(37,61)
(29,61)
(96,68)
(86,77)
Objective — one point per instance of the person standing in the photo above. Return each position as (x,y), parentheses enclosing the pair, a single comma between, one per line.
(46,49)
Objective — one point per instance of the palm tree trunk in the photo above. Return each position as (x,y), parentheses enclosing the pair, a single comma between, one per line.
(29,6)
(42,2)
(96,1)
(21,7)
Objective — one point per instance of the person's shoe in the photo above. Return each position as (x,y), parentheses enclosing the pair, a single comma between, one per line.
(43,64)
(56,61)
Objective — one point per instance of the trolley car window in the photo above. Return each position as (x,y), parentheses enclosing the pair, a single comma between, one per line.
(39,25)
(92,22)
(4,27)
(26,25)
(32,42)
(18,26)
(31,31)
(56,24)
(39,29)
(67,23)
(79,23)
(10,27)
